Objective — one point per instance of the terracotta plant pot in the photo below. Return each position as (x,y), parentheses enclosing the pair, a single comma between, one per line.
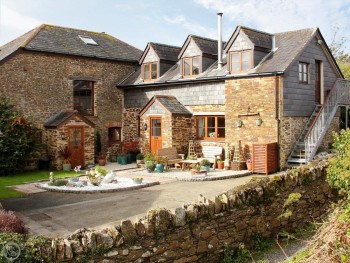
(249,166)
(220,165)
(101,162)
(194,172)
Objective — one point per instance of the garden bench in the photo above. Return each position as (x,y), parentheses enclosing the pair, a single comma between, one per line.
(211,153)
(172,156)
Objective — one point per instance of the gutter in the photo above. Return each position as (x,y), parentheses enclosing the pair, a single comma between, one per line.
(199,80)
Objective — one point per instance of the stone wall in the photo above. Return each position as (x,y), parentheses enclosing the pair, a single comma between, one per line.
(55,142)
(292,127)
(40,85)
(247,97)
(199,232)
(130,131)
(182,132)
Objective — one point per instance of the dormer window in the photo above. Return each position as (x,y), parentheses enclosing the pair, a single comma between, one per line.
(240,61)
(190,66)
(150,71)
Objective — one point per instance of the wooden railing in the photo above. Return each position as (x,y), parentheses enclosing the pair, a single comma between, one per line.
(339,95)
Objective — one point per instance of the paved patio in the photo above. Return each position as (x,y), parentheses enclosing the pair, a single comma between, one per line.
(55,214)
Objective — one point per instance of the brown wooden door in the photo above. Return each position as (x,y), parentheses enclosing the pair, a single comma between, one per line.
(318,82)
(76,145)
(156,134)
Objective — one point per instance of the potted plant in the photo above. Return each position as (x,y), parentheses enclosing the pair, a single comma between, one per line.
(220,164)
(249,164)
(139,158)
(150,166)
(205,164)
(160,162)
(102,159)
(196,169)
(66,153)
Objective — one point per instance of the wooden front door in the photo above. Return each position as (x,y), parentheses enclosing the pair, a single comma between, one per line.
(76,145)
(318,82)
(156,134)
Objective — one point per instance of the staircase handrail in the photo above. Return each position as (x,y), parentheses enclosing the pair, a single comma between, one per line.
(323,118)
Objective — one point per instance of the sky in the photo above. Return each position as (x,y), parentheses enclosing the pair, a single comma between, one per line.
(138,22)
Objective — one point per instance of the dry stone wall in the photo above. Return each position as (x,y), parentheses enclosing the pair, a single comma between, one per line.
(199,232)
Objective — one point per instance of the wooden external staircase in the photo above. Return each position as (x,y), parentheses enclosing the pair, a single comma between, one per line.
(315,129)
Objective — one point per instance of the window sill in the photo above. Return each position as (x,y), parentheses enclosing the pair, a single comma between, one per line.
(210,140)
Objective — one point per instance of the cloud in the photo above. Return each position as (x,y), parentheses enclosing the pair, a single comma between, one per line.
(190,26)
(13,24)
(17,21)
(284,15)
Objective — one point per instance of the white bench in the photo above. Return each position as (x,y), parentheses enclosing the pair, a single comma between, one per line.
(211,153)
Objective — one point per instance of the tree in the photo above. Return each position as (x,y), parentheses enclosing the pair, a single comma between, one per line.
(19,141)
(338,47)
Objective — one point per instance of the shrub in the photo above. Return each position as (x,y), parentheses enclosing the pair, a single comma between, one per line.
(65,153)
(20,142)
(140,156)
(10,223)
(101,170)
(205,162)
(338,173)
(149,157)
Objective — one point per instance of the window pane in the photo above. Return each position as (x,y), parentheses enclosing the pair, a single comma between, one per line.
(147,72)
(234,57)
(245,56)
(200,127)
(300,76)
(245,65)
(211,127)
(195,66)
(221,132)
(82,96)
(235,62)
(221,121)
(235,66)
(156,127)
(154,70)
(186,69)
(305,76)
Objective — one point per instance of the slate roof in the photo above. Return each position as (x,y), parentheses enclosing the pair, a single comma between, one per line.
(259,38)
(288,47)
(170,103)
(62,40)
(166,52)
(206,45)
(59,118)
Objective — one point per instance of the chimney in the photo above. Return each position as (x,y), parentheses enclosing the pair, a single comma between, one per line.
(219,41)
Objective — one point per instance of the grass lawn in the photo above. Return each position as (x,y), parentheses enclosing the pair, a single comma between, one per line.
(21,178)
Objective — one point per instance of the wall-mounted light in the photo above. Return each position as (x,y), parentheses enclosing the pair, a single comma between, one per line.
(239,123)
(258,121)
(145,126)
(63,136)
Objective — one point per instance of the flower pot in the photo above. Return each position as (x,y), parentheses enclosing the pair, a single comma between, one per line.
(220,165)
(227,168)
(139,161)
(160,167)
(101,162)
(66,167)
(249,166)
(122,160)
(150,170)
(206,168)
(129,158)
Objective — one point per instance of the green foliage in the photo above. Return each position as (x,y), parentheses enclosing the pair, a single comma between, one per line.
(140,156)
(204,162)
(149,157)
(285,214)
(239,255)
(292,198)
(30,247)
(60,182)
(98,144)
(101,170)
(345,68)
(20,141)
(338,171)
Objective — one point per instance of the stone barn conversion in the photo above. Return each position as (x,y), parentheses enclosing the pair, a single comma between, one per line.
(51,71)
(268,88)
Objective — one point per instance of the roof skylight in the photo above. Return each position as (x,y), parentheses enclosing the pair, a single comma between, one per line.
(88,40)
